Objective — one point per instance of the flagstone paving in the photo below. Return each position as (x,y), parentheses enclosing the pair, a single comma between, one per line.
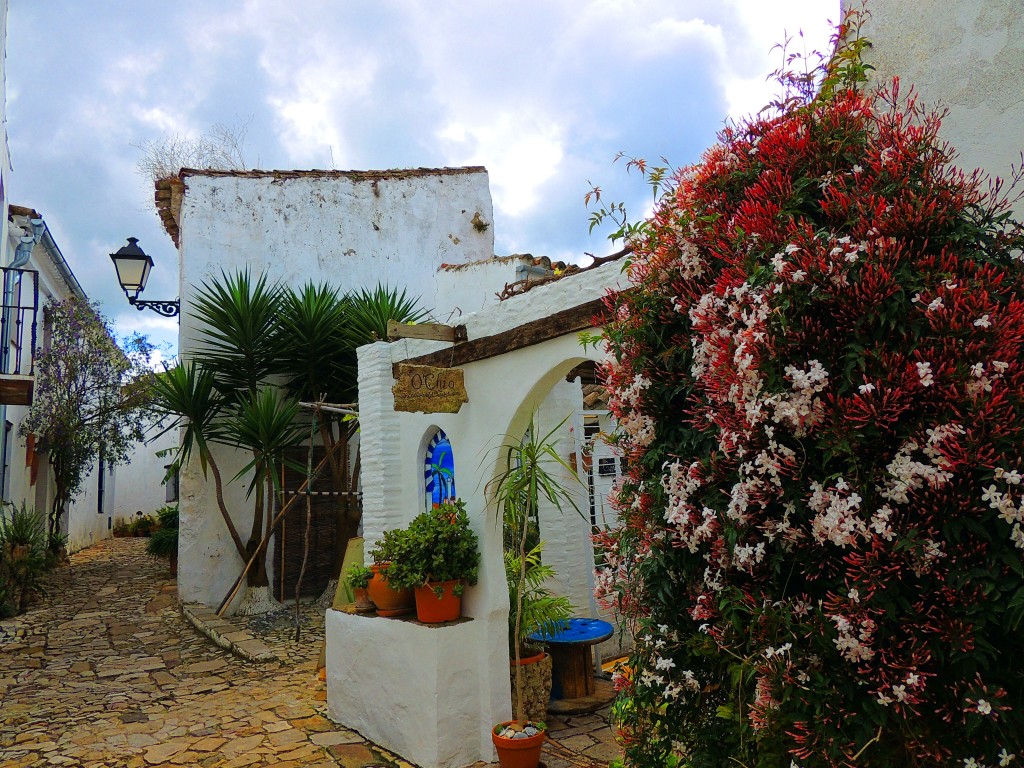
(107,672)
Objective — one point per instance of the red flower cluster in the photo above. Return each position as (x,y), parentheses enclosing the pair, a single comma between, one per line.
(819,382)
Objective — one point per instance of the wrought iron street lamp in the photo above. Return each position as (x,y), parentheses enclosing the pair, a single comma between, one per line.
(133,266)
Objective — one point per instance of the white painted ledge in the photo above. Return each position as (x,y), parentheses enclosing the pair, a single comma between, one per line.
(414,689)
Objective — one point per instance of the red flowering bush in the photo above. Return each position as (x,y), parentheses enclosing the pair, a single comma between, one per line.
(819,385)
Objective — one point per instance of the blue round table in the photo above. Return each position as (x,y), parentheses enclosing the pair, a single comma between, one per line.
(572,658)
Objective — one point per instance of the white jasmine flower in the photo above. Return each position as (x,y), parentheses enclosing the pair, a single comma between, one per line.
(984,708)
(983,322)
(924,371)
(866,389)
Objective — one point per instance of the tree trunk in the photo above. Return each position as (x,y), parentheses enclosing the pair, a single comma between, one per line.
(218,484)
(258,573)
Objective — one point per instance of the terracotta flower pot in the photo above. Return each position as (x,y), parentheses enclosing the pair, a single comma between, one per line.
(431,609)
(389,601)
(518,753)
(363,602)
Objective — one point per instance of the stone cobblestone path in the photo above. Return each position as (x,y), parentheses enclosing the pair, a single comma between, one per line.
(107,672)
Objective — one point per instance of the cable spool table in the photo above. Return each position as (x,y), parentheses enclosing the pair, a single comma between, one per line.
(572,656)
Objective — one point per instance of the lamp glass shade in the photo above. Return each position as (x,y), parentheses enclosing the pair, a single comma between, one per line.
(133,266)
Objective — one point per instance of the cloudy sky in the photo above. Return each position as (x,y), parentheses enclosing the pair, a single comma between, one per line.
(543,93)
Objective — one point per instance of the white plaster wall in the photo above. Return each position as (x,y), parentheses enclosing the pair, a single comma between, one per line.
(567,533)
(420,713)
(964,55)
(350,230)
(503,393)
(87,521)
(467,289)
(141,487)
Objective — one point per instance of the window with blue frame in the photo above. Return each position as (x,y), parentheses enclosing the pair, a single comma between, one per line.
(439,470)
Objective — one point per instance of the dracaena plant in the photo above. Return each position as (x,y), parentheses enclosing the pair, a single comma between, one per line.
(531,471)
(819,385)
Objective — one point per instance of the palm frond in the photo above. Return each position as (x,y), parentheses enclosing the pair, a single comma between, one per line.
(266,425)
(238,331)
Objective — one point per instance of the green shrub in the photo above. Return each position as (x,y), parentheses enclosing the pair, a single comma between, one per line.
(23,560)
(143,525)
(163,542)
(438,546)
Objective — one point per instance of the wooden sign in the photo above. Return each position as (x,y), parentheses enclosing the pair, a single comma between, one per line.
(433,331)
(425,389)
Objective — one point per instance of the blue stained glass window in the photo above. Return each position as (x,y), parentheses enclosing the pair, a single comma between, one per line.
(439,470)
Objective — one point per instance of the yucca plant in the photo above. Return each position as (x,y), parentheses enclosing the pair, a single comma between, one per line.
(240,343)
(23,547)
(370,310)
(238,330)
(186,394)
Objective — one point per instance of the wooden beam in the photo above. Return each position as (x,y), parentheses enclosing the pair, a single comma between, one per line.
(432,331)
(561,323)
(16,390)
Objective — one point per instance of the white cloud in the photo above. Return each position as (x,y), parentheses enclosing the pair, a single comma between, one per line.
(521,154)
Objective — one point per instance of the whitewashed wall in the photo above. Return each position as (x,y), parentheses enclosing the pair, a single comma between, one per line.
(467,288)
(348,229)
(84,524)
(503,393)
(140,481)
(89,521)
(964,55)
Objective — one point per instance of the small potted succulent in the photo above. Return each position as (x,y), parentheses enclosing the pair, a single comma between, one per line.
(438,555)
(358,577)
(391,600)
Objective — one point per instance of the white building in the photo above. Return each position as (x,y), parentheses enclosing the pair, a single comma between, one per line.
(35,272)
(351,229)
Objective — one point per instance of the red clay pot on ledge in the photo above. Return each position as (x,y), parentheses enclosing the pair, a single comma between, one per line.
(389,601)
(431,609)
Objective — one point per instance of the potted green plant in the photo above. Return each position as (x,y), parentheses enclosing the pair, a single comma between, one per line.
(391,600)
(532,471)
(142,525)
(358,577)
(163,542)
(542,613)
(23,549)
(439,554)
